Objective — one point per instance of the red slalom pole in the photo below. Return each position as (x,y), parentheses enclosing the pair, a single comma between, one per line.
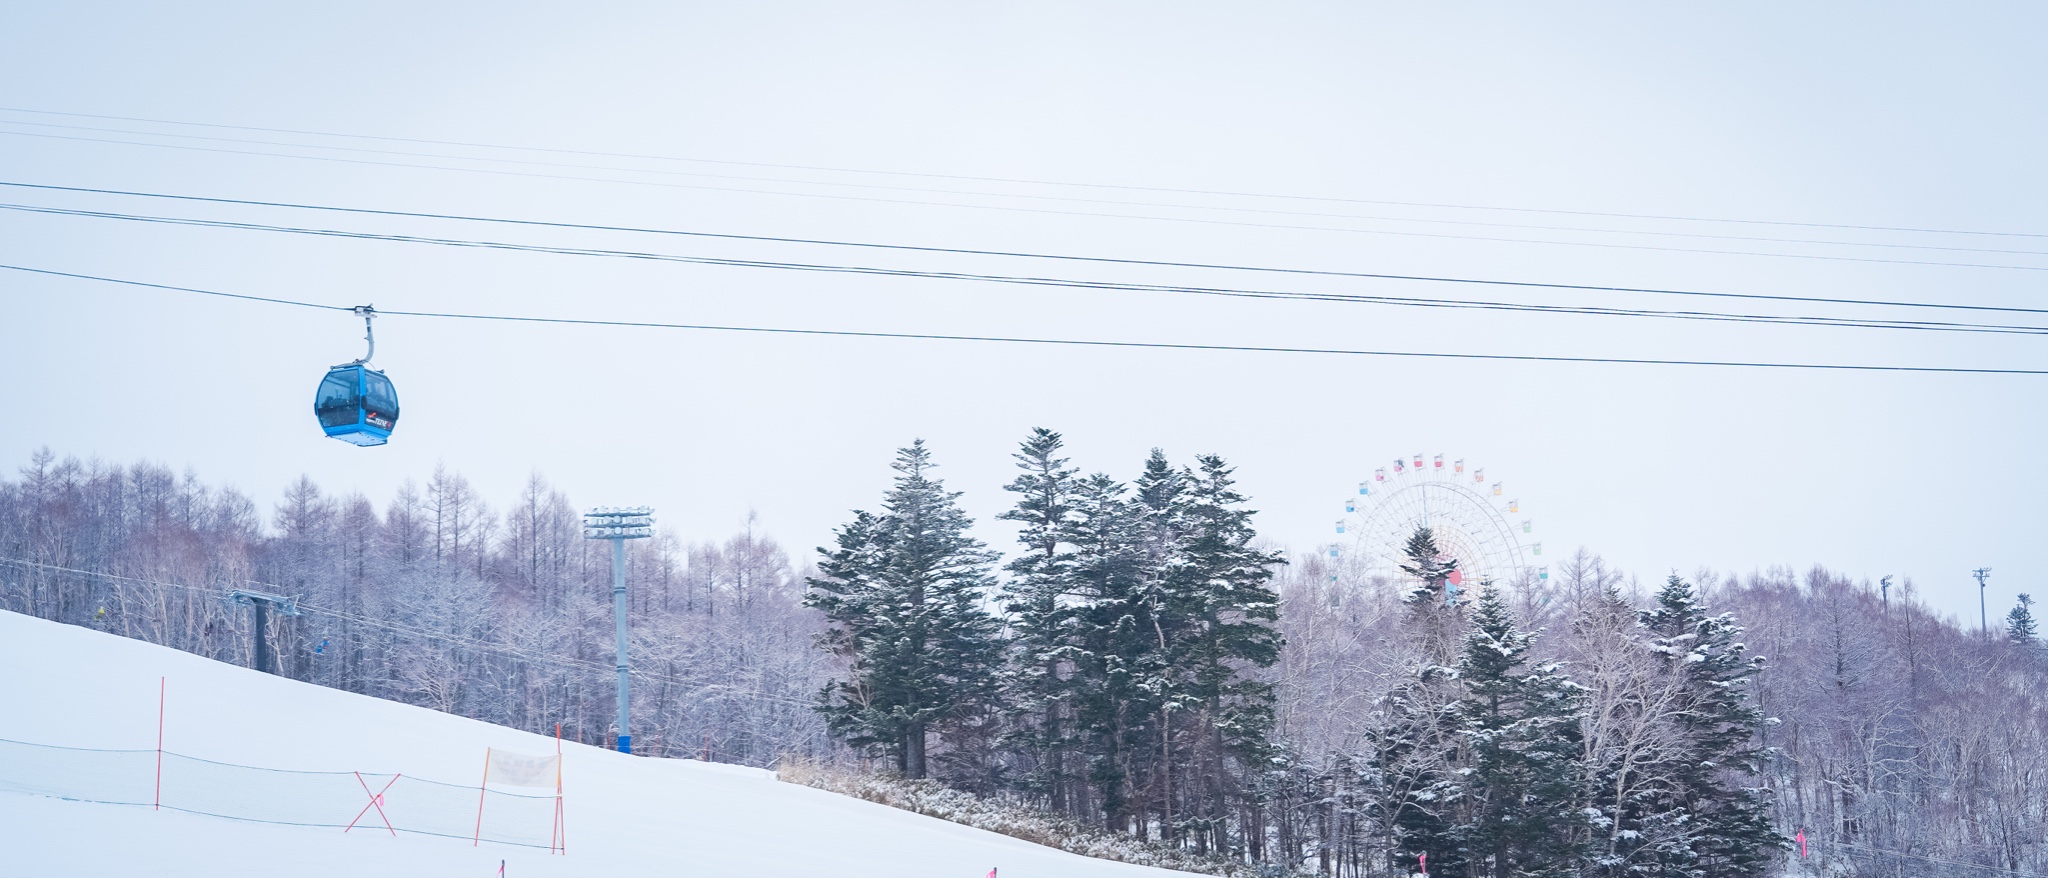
(161,683)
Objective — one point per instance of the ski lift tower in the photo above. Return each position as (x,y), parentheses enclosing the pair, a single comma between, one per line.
(620,524)
(263,601)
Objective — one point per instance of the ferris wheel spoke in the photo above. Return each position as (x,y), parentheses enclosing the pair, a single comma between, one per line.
(1469,525)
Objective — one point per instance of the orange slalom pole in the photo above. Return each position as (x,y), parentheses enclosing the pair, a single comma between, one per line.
(161,685)
(480,799)
(561,812)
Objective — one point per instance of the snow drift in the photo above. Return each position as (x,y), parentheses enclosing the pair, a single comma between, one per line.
(624,815)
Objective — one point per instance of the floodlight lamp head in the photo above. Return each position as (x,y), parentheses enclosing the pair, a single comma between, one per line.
(618,523)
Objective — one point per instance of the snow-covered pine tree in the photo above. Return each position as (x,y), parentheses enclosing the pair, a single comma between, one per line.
(1226,583)
(1115,709)
(2020,626)
(1039,600)
(1426,564)
(902,595)
(1160,514)
(1414,749)
(1519,772)
(1438,622)
(1719,825)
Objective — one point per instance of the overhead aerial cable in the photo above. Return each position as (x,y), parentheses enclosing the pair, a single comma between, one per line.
(1013,195)
(915,248)
(1102,343)
(354,402)
(1085,284)
(1024,181)
(1045,211)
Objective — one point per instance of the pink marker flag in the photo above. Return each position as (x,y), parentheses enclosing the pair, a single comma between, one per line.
(1802,843)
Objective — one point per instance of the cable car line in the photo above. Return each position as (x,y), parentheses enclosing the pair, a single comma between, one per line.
(1071,283)
(1101,201)
(1032,182)
(1065,282)
(1105,260)
(176,289)
(1095,343)
(1069,213)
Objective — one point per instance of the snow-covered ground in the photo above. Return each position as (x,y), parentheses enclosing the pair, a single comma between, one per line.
(627,816)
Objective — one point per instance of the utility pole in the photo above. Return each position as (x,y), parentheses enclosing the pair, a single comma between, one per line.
(1884,589)
(1983,620)
(620,525)
(262,602)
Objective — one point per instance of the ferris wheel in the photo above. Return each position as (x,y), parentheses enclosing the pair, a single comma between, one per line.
(1474,520)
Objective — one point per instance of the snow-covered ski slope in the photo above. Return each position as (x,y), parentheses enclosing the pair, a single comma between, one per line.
(627,816)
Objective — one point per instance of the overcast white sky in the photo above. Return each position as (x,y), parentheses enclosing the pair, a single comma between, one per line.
(1858,114)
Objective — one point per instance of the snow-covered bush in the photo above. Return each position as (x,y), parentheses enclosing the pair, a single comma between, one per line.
(933,799)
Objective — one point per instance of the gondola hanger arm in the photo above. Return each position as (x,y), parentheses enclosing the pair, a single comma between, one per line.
(367,312)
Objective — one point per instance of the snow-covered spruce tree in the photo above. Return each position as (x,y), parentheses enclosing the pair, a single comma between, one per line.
(1413,752)
(902,595)
(1037,684)
(1426,563)
(2020,626)
(1411,770)
(1208,610)
(1433,611)
(1520,745)
(1714,823)
(1232,629)
(1116,652)
(1159,516)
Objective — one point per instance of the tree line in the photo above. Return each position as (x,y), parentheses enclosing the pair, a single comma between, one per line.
(1140,660)
(1112,675)
(436,599)
(1122,673)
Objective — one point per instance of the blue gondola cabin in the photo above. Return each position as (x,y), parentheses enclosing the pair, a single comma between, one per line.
(357,404)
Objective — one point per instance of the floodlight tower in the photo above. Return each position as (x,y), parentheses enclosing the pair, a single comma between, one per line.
(1983,619)
(619,525)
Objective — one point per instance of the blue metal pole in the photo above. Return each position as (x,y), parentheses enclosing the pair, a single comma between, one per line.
(619,618)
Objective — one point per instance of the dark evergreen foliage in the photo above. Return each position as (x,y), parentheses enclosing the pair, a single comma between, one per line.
(1039,598)
(1220,591)
(1413,752)
(2020,626)
(1725,824)
(1117,652)
(1520,730)
(1427,565)
(903,597)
